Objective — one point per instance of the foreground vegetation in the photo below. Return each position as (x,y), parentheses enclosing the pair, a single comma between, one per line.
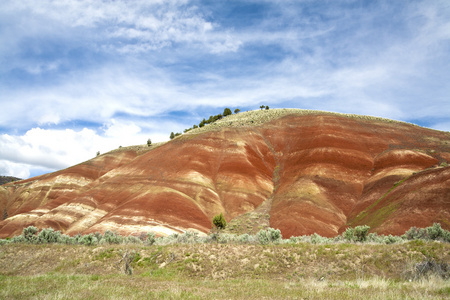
(49,265)
(412,270)
(360,234)
(61,286)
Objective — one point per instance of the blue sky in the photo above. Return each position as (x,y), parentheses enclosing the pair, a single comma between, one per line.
(77,77)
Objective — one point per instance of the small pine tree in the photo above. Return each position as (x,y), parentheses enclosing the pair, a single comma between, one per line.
(98,153)
(262,107)
(149,142)
(267,107)
(237,110)
(172,135)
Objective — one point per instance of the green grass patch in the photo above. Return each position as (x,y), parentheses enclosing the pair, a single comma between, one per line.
(382,215)
(60,286)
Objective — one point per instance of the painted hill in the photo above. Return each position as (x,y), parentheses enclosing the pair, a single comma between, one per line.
(296,170)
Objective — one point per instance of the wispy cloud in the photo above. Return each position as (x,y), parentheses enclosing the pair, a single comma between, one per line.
(118,69)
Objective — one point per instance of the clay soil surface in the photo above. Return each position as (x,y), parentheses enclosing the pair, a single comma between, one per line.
(298,171)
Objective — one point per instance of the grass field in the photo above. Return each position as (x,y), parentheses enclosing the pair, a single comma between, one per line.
(63,286)
(228,271)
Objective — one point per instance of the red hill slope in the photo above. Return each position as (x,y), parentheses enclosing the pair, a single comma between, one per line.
(311,171)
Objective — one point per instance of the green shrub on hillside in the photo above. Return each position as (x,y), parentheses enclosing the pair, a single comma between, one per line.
(415,233)
(131,239)
(48,235)
(317,239)
(88,240)
(435,232)
(357,234)
(150,238)
(111,238)
(361,233)
(268,236)
(245,238)
(32,235)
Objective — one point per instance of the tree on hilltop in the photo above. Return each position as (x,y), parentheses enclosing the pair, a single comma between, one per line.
(237,110)
(227,112)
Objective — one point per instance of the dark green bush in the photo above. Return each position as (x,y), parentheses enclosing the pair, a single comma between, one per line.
(220,222)
(227,112)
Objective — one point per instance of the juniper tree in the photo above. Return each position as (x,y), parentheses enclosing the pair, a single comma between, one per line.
(220,222)
(227,112)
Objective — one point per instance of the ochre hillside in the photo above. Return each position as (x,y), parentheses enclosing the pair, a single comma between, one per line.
(301,172)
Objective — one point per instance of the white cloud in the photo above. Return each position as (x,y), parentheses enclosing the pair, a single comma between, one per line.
(51,149)
(8,168)
(125,65)
(115,129)
(120,25)
(45,150)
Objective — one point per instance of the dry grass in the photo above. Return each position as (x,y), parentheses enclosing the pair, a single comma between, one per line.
(258,117)
(60,286)
(337,271)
